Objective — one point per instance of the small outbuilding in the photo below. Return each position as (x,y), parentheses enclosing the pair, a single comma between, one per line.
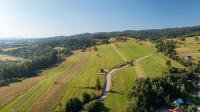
(178,102)
(188,58)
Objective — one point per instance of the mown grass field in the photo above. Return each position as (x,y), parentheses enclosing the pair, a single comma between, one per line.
(189,47)
(123,81)
(28,98)
(79,72)
(85,81)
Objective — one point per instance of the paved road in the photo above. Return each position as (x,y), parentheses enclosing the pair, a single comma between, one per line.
(109,77)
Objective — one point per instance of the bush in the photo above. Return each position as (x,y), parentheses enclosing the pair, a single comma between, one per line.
(98,84)
(92,106)
(86,98)
(73,105)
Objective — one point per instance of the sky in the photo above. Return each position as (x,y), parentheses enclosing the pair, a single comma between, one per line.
(45,18)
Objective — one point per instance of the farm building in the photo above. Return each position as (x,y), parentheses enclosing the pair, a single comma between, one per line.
(188,58)
(178,102)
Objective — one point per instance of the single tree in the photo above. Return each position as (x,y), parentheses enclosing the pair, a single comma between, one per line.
(86,97)
(92,106)
(168,63)
(73,105)
(98,84)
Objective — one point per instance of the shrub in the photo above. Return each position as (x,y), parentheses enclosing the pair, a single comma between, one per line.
(86,98)
(73,105)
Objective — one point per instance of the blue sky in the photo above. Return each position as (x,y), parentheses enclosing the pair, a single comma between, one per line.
(43,18)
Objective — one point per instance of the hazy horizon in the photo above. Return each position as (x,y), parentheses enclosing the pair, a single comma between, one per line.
(43,18)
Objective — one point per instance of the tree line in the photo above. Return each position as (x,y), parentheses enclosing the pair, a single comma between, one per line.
(42,58)
(168,48)
(150,93)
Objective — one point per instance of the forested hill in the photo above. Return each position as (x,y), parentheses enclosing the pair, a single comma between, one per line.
(151,33)
(80,41)
(142,34)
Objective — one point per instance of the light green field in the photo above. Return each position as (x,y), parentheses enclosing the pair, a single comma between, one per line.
(156,64)
(133,49)
(84,77)
(122,82)
(153,65)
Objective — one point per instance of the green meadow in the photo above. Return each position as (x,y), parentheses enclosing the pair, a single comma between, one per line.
(78,74)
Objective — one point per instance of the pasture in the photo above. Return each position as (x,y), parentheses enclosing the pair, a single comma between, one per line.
(28,98)
(124,79)
(189,47)
(78,74)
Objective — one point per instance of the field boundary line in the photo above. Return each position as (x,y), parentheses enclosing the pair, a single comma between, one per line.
(118,52)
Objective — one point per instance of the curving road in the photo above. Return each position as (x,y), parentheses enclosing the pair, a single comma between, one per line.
(109,77)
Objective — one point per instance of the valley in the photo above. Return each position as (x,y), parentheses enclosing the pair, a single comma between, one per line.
(77,74)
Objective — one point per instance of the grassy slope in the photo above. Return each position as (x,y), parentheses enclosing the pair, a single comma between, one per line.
(152,65)
(123,81)
(156,64)
(133,50)
(86,79)
(28,98)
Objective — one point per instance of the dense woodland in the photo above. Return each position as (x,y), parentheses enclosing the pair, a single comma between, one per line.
(37,58)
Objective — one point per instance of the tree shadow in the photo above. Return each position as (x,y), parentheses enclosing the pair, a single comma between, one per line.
(103,108)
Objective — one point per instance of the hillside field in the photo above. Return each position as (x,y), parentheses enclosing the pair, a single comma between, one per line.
(78,73)
(189,47)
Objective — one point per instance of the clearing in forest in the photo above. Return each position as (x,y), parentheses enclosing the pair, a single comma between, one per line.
(189,47)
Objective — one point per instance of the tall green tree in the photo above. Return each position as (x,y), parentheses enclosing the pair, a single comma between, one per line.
(98,84)
(73,105)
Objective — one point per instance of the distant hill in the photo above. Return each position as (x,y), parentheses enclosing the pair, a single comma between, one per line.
(87,39)
(151,33)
